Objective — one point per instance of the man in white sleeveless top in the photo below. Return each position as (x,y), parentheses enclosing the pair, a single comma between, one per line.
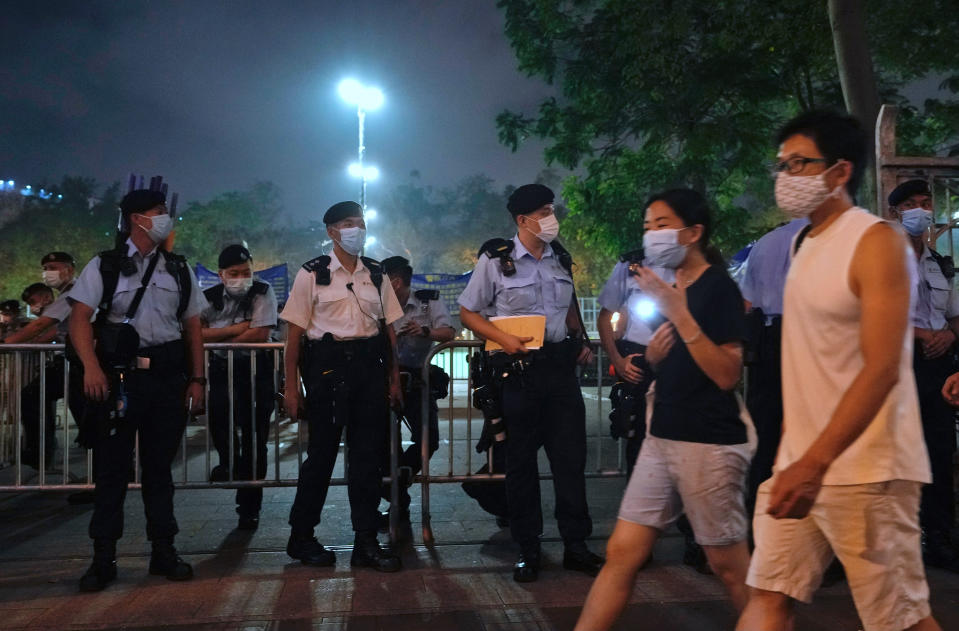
(852,460)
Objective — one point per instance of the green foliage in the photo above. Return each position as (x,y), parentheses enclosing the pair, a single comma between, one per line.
(656,94)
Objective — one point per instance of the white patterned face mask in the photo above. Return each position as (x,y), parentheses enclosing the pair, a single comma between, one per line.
(799,195)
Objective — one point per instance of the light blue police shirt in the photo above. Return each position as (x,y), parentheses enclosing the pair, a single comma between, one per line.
(767,266)
(621,290)
(539,287)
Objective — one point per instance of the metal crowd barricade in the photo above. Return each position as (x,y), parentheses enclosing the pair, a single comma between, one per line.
(427,478)
(19,365)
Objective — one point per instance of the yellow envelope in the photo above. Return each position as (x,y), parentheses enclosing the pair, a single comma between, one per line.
(533,326)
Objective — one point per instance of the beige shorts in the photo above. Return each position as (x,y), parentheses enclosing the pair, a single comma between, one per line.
(706,481)
(872,528)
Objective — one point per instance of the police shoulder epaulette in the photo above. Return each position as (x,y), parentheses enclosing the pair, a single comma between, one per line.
(259,287)
(946,265)
(427,294)
(174,262)
(321,267)
(215,296)
(375,269)
(633,256)
(497,247)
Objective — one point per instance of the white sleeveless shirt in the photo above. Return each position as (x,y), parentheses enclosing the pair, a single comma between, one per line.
(821,356)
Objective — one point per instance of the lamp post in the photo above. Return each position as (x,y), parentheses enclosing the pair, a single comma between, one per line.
(365,99)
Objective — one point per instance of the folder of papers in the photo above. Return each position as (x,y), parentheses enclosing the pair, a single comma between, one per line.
(533,326)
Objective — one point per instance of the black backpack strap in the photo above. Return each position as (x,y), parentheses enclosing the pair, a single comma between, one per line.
(177,266)
(375,269)
(800,237)
(426,295)
(565,258)
(633,256)
(112,264)
(214,296)
(946,265)
(503,250)
(321,267)
(246,304)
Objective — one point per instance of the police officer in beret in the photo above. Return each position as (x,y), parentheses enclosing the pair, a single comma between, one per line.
(340,342)
(935,323)
(148,389)
(50,325)
(542,402)
(425,321)
(240,310)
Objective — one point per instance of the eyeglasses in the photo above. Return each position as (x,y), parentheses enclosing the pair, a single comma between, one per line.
(794,165)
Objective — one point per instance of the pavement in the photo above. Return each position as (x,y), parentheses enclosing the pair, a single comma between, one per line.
(245,581)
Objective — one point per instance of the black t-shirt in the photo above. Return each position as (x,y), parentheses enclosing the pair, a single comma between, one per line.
(689,405)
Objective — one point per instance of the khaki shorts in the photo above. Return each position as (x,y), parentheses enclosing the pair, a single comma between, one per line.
(706,481)
(872,528)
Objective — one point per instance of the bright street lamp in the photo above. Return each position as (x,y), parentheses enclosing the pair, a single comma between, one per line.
(365,98)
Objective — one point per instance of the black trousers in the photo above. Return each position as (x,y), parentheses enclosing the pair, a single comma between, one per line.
(157,412)
(30,409)
(937,513)
(412,456)
(352,394)
(545,409)
(248,500)
(491,495)
(764,400)
(635,443)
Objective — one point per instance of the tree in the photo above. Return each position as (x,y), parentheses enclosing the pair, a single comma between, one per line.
(667,93)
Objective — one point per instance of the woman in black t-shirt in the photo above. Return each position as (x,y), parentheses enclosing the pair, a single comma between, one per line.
(696,456)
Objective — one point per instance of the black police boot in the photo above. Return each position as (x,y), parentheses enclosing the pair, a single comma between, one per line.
(578,558)
(309,551)
(526,568)
(383,521)
(368,553)
(103,570)
(937,551)
(248,522)
(164,561)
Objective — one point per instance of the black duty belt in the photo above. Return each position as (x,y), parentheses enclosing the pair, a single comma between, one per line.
(168,357)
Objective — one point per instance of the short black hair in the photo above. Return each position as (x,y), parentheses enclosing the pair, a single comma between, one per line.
(837,136)
(33,290)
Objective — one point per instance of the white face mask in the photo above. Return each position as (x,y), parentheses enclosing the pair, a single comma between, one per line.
(799,195)
(548,228)
(160,227)
(237,286)
(661,248)
(51,277)
(352,240)
(916,220)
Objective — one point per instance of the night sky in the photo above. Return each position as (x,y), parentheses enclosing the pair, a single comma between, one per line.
(217,95)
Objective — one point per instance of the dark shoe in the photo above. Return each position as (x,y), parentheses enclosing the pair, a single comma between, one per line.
(694,557)
(502,522)
(98,576)
(248,522)
(526,568)
(164,561)
(368,553)
(578,558)
(103,570)
(309,551)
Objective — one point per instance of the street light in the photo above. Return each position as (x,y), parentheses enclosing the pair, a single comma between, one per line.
(366,99)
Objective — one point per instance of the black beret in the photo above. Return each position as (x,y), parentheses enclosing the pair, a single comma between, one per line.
(233,255)
(10,307)
(342,210)
(58,257)
(141,200)
(907,189)
(528,198)
(394,264)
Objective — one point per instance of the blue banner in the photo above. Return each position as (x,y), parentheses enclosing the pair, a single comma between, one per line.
(276,276)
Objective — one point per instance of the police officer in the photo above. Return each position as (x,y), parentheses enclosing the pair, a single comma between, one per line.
(240,310)
(542,401)
(144,381)
(343,306)
(425,321)
(622,295)
(762,288)
(935,320)
(50,325)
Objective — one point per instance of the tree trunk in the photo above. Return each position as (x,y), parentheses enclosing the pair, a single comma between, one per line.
(859,88)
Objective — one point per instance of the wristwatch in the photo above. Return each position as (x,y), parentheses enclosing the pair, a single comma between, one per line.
(199,380)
